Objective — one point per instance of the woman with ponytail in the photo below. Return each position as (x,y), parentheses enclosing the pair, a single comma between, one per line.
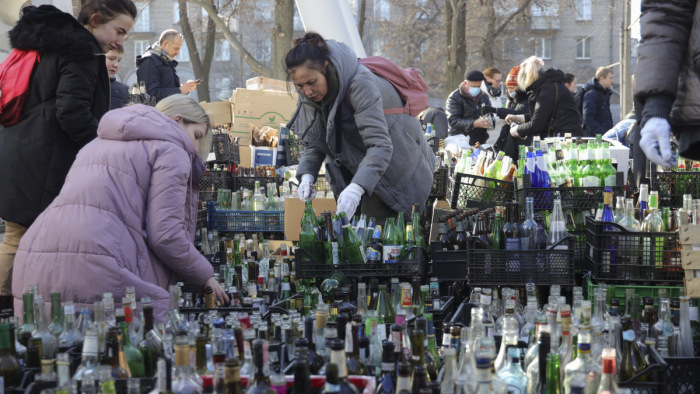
(552,106)
(380,163)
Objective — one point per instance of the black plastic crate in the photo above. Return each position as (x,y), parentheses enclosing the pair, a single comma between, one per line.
(294,149)
(672,185)
(256,221)
(551,266)
(306,267)
(618,255)
(572,198)
(225,150)
(448,264)
(580,260)
(471,191)
(655,376)
(248,182)
(448,304)
(439,183)
(683,373)
(212,182)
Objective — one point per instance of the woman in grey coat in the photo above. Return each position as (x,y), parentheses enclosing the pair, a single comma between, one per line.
(382,161)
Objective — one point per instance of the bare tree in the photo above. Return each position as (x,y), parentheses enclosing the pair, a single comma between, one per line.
(282,36)
(361,18)
(200,65)
(456,34)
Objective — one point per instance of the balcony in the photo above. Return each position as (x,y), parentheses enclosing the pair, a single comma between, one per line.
(545,22)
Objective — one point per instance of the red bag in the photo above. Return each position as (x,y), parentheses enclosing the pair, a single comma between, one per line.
(407,81)
(15,74)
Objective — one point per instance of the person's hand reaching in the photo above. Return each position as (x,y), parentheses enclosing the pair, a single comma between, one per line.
(306,190)
(349,199)
(219,292)
(655,142)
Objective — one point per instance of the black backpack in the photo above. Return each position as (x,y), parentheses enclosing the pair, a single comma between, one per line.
(578,96)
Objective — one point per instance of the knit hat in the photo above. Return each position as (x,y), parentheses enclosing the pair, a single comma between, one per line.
(474,76)
(512,78)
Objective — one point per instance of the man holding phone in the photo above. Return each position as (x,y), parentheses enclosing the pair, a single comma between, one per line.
(157,67)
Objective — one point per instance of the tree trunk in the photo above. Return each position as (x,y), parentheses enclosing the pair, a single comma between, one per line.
(455,15)
(362,17)
(199,66)
(282,36)
(488,43)
(255,65)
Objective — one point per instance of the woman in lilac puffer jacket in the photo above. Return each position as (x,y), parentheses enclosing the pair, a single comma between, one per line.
(126,215)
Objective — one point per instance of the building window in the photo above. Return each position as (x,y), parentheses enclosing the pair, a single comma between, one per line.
(176,12)
(143,21)
(222,51)
(543,47)
(545,8)
(583,10)
(263,51)
(583,48)
(140,47)
(184,55)
(381,9)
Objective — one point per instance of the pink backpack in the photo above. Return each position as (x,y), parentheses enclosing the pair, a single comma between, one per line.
(407,81)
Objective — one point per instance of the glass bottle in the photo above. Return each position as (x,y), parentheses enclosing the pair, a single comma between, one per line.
(643,201)
(553,386)
(148,349)
(486,382)
(529,228)
(418,351)
(89,361)
(510,334)
(391,242)
(420,379)
(537,370)
(353,243)
(685,327)
(387,380)
(450,373)
(432,346)
(607,171)
(56,324)
(403,382)
(512,373)
(496,238)
(583,366)
(111,356)
(557,226)
(409,245)
(355,365)
(653,247)
(384,307)
(663,326)
(417,300)
(133,355)
(338,359)
(632,360)
(184,380)
(10,369)
(590,176)
(608,379)
(70,335)
(49,342)
(309,237)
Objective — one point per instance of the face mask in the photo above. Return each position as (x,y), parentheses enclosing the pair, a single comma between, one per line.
(495,92)
(512,94)
(474,91)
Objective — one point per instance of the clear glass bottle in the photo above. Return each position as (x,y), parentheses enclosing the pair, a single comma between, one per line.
(486,381)
(89,362)
(70,335)
(608,379)
(652,254)
(557,226)
(510,334)
(512,373)
(450,373)
(184,380)
(537,370)
(663,326)
(583,366)
(56,324)
(49,342)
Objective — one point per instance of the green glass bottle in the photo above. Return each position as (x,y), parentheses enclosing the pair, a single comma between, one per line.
(133,355)
(384,309)
(353,244)
(400,227)
(498,240)
(409,245)
(417,231)
(148,349)
(432,345)
(10,369)
(418,351)
(309,236)
(27,328)
(580,164)
(608,172)
(589,175)
(553,377)
(56,325)
(391,243)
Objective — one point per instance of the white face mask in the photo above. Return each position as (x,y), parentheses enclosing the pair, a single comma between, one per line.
(512,94)
(474,91)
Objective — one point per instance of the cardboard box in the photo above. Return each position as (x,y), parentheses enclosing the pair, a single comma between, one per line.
(294,210)
(220,112)
(434,227)
(265,83)
(261,108)
(692,287)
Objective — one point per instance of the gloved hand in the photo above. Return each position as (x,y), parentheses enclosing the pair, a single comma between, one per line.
(487,109)
(655,142)
(349,199)
(514,130)
(515,119)
(306,188)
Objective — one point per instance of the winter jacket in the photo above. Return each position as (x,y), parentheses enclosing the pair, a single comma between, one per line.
(386,155)
(542,94)
(120,94)
(68,94)
(516,106)
(158,71)
(125,217)
(597,118)
(667,83)
(495,101)
(462,111)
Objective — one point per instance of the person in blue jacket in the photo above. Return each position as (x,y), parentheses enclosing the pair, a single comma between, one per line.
(157,67)
(597,118)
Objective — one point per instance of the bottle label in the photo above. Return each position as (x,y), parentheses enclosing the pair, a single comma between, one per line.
(334,253)
(693,313)
(524,243)
(610,180)
(591,181)
(513,243)
(391,253)
(387,367)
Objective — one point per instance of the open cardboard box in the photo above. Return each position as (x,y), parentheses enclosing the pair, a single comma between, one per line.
(261,108)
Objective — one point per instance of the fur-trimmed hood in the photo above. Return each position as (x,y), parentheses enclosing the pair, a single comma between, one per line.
(48,29)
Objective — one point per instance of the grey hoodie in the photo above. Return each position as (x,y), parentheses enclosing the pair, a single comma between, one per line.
(387,155)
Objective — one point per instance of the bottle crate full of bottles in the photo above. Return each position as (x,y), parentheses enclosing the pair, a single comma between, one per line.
(213,180)
(572,198)
(473,191)
(225,149)
(246,221)
(673,184)
(414,262)
(617,254)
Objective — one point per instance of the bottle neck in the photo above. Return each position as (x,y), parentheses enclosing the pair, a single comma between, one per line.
(338,358)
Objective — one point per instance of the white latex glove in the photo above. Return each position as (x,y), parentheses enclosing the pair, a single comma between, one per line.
(655,142)
(510,119)
(349,199)
(306,188)
(219,292)
(514,130)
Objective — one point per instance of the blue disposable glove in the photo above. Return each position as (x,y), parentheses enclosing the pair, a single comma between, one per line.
(349,199)
(306,190)
(655,142)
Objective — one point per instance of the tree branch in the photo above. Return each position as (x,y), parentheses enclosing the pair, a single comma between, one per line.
(506,22)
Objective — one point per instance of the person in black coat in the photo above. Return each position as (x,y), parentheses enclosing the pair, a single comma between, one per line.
(552,106)
(464,109)
(437,117)
(68,94)
(119,91)
(157,67)
(597,118)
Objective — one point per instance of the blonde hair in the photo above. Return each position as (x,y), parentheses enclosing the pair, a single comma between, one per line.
(529,72)
(185,106)
(602,72)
